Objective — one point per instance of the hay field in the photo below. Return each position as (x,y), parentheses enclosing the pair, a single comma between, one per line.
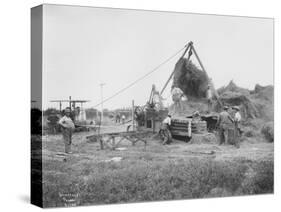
(177,171)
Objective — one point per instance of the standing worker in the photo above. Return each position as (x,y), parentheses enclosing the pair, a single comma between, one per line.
(167,122)
(123,117)
(165,130)
(116,118)
(67,127)
(209,97)
(224,123)
(177,95)
(237,128)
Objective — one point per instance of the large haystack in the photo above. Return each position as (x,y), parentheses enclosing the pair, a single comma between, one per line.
(263,97)
(233,95)
(232,87)
(254,104)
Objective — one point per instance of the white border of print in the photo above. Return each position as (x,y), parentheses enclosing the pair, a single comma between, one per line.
(15,96)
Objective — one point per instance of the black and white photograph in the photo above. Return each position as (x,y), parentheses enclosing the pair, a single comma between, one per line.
(133,106)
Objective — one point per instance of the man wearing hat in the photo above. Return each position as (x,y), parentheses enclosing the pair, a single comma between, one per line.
(67,126)
(166,127)
(224,123)
(237,120)
(177,95)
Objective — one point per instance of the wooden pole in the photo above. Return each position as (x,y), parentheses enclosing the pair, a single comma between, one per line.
(133,114)
(70,103)
(187,47)
(212,85)
(170,77)
(60,107)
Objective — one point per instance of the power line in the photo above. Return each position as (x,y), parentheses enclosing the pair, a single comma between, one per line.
(141,78)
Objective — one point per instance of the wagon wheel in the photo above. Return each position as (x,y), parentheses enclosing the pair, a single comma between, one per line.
(165,136)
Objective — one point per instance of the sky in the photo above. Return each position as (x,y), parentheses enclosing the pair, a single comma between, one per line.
(85,46)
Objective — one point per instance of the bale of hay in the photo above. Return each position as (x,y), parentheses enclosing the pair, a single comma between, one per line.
(268,131)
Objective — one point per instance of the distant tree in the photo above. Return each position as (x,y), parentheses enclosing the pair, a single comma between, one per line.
(36,121)
(48,111)
(91,113)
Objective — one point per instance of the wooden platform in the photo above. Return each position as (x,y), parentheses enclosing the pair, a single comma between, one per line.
(113,139)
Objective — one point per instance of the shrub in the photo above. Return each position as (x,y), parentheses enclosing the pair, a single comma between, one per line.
(168,180)
(268,131)
(249,133)
(192,179)
(262,179)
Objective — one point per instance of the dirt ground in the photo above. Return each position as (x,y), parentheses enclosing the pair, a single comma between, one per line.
(81,146)
(88,161)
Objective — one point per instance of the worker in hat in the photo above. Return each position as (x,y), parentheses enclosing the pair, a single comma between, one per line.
(209,97)
(165,128)
(177,95)
(123,118)
(237,128)
(224,123)
(67,126)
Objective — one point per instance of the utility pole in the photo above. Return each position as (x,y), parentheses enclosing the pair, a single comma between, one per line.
(133,114)
(70,103)
(101,86)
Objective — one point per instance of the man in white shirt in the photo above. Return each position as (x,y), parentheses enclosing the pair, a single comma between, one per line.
(167,121)
(237,120)
(165,129)
(67,126)
(177,95)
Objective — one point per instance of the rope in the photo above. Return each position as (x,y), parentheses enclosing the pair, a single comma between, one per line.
(141,78)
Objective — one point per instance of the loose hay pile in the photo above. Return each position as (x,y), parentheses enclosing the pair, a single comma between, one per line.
(234,95)
(190,79)
(208,138)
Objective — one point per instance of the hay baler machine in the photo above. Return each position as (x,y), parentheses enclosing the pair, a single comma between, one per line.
(183,128)
(153,113)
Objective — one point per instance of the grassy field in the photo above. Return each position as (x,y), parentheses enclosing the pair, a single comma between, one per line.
(154,172)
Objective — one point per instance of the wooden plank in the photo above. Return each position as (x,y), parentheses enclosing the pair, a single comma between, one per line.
(117,134)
